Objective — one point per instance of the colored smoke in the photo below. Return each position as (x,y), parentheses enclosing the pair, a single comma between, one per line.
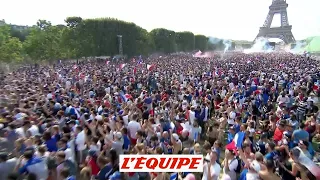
(214,40)
(299,47)
(260,45)
(199,54)
(227,45)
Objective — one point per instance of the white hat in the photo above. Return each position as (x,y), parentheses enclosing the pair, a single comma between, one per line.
(175,136)
(255,166)
(99,118)
(118,135)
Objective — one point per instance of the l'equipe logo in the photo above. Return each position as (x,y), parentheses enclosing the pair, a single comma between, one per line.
(161,163)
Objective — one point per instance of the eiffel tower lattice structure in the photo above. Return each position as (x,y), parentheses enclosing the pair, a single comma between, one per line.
(284,31)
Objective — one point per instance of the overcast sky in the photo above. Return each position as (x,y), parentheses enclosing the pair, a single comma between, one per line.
(234,19)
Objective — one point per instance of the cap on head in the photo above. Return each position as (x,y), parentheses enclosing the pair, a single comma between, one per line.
(175,136)
(254,165)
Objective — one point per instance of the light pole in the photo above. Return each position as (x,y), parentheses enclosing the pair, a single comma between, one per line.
(120,44)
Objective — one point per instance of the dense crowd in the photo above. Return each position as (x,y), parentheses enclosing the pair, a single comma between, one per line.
(73,120)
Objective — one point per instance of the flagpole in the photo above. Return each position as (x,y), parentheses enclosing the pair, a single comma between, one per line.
(120,44)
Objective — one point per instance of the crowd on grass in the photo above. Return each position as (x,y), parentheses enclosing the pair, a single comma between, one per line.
(72,120)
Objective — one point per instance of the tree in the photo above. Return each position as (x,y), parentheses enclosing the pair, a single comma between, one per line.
(73,22)
(73,41)
(96,37)
(102,35)
(185,41)
(43,24)
(164,40)
(200,42)
(21,34)
(10,47)
(215,44)
(45,42)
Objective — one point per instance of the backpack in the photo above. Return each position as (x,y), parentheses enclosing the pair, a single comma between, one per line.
(238,169)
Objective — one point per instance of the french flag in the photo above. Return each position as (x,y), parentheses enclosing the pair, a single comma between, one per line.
(236,142)
(122,66)
(218,72)
(125,97)
(150,67)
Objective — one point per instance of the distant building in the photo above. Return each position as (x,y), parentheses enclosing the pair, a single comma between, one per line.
(2,22)
(18,27)
(14,26)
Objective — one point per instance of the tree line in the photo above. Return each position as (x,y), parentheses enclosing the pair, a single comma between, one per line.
(94,37)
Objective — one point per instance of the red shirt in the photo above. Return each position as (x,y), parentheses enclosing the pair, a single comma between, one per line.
(187,114)
(94,166)
(278,134)
(179,129)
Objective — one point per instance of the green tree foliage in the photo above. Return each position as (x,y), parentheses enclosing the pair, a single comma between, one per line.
(21,34)
(215,44)
(45,42)
(164,40)
(95,37)
(201,42)
(10,47)
(99,37)
(75,42)
(185,41)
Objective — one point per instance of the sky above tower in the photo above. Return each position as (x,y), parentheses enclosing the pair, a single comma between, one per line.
(230,19)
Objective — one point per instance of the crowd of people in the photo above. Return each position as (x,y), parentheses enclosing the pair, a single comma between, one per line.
(72,120)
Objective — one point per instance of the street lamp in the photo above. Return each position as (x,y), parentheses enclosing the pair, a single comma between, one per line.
(120,44)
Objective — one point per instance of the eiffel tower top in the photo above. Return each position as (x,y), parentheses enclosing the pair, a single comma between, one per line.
(279,3)
(275,1)
(284,31)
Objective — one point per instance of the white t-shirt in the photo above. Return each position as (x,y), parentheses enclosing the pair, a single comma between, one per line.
(194,132)
(186,126)
(231,85)
(223,93)
(108,90)
(68,85)
(252,131)
(109,136)
(215,171)
(281,99)
(252,176)
(206,112)
(133,127)
(192,116)
(233,164)
(232,116)
(125,120)
(20,132)
(69,155)
(80,141)
(34,130)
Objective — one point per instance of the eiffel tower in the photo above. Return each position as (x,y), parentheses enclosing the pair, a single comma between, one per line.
(284,31)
